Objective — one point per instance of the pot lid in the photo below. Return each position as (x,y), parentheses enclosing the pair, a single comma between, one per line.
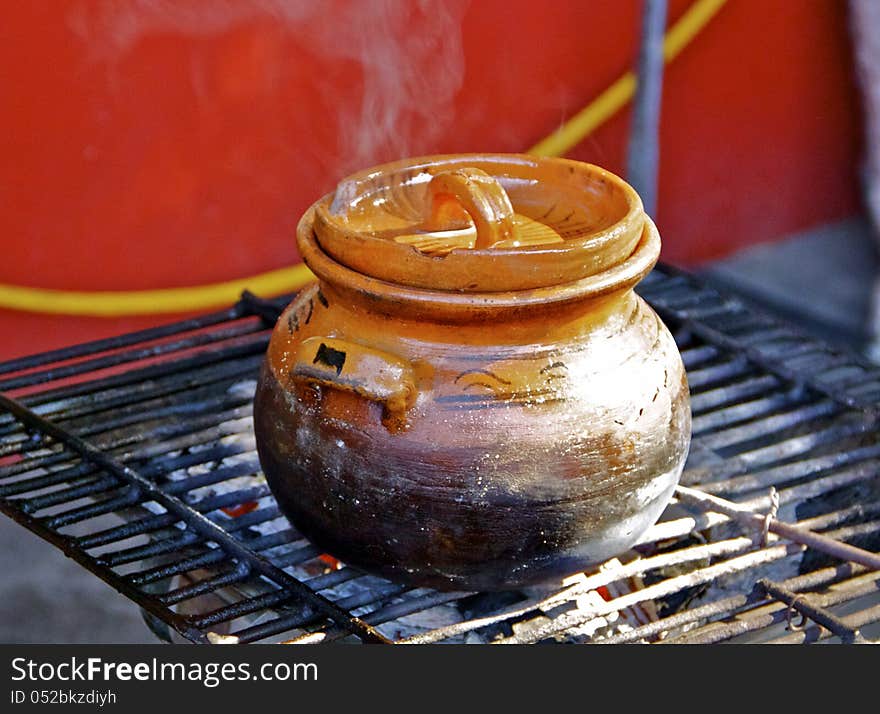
(480,223)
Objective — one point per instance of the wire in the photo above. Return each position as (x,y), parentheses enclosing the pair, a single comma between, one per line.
(215,295)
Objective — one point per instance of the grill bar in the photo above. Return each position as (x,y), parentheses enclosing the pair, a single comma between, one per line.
(775,613)
(245,336)
(733,546)
(786,530)
(796,601)
(731,604)
(816,633)
(128,339)
(167,410)
(680,311)
(206,528)
(560,625)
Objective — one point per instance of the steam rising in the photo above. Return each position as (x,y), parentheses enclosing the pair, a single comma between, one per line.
(408,54)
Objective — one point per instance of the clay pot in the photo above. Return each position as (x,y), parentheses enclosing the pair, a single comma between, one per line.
(467,400)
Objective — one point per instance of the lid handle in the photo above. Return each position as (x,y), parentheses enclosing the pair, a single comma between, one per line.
(475,193)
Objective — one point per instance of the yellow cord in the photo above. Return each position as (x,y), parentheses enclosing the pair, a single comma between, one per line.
(151,302)
(275,282)
(609,102)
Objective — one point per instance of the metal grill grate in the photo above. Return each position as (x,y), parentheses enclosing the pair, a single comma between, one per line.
(135,456)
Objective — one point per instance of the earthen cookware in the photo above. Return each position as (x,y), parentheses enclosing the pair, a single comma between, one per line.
(472,396)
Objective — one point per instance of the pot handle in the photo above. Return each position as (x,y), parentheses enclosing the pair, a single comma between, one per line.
(374,375)
(479,195)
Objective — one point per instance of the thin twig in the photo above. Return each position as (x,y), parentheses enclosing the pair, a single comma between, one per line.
(794,533)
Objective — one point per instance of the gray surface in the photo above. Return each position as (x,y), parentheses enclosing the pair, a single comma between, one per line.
(46,597)
(822,278)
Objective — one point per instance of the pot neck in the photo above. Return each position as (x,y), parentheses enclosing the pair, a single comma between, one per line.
(402,302)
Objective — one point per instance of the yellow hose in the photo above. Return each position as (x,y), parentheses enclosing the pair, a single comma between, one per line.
(609,102)
(275,282)
(109,303)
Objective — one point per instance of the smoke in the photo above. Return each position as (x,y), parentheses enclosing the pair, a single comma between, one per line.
(408,55)
(410,77)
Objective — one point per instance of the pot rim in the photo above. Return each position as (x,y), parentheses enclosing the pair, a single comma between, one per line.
(423,302)
(492,269)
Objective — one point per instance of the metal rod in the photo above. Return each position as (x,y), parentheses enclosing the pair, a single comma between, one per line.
(244,333)
(119,341)
(733,393)
(725,372)
(729,605)
(789,472)
(376,596)
(195,520)
(814,633)
(248,305)
(142,599)
(774,364)
(149,417)
(423,601)
(693,357)
(542,631)
(644,152)
(241,571)
(769,426)
(600,579)
(745,516)
(801,603)
(774,613)
(768,456)
(103,400)
(751,409)
(155,370)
